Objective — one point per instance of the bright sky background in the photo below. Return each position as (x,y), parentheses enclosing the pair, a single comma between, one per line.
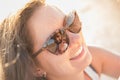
(9,6)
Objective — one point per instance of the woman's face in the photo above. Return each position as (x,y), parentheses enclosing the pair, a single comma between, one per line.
(45,21)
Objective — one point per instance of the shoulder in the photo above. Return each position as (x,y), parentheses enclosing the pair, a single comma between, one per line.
(104,61)
(96,58)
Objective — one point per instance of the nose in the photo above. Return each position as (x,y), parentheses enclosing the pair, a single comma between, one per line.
(74,38)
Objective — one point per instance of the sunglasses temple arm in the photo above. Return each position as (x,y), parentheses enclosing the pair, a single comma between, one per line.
(35,54)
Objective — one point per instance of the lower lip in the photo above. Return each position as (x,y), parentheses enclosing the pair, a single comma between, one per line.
(80,55)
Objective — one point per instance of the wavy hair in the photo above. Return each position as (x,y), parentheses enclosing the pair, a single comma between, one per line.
(16,48)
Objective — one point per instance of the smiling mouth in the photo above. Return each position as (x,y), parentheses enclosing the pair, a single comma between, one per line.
(78,54)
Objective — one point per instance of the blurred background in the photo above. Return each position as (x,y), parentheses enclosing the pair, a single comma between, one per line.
(100,20)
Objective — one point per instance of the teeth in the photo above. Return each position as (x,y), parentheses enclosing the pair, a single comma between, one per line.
(78,52)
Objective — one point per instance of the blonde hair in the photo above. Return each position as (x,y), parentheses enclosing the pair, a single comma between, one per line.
(16,46)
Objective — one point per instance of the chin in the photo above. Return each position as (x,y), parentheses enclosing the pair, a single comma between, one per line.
(83,62)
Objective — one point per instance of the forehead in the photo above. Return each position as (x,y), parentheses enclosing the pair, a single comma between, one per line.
(44,21)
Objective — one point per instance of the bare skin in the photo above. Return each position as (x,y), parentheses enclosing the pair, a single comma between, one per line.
(105,62)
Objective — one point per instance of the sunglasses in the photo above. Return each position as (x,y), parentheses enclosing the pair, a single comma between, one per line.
(58,42)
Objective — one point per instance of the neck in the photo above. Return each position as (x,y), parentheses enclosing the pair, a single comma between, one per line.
(73,77)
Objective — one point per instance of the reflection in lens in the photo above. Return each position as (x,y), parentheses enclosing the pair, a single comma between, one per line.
(51,46)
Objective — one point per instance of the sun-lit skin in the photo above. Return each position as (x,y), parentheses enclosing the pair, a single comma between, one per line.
(41,25)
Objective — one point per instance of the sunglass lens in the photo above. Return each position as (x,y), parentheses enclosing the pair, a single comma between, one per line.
(58,43)
(51,45)
(73,23)
(62,47)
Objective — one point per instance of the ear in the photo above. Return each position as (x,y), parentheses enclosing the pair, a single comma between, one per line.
(39,72)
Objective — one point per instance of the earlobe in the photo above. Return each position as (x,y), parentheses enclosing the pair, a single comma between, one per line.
(39,73)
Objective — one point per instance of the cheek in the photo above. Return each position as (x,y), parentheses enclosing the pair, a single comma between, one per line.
(82,38)
(76,38)
(53,64)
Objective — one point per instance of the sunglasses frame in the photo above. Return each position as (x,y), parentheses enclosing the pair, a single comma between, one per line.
(69,21)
